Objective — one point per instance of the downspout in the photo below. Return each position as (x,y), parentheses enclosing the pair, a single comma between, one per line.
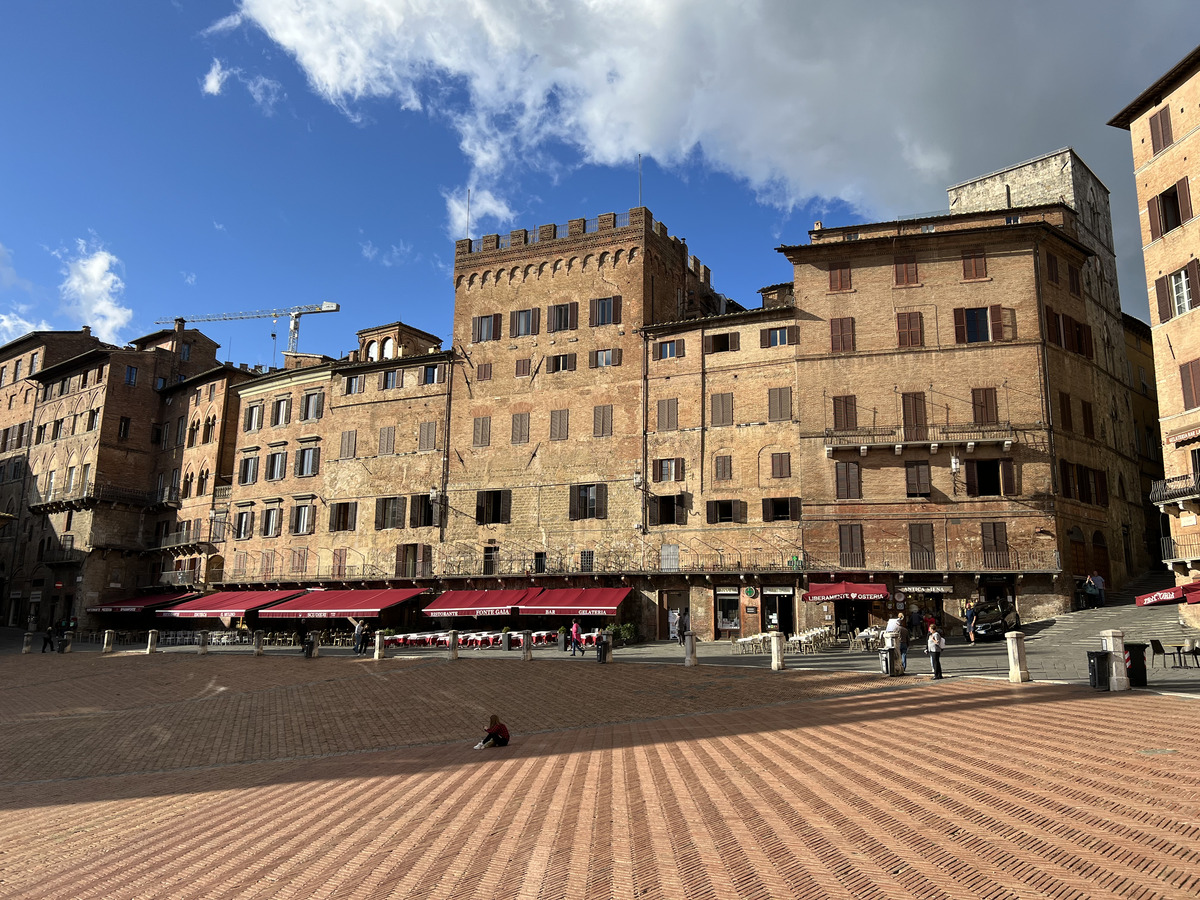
(1044,366)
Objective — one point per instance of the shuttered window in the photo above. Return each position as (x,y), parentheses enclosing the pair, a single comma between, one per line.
(483,372)
(523,322)
(387,440)
(1160,130)
(486,328)
(1089,421)
(602,421)
(845,413)
(481,435)
(1053,327)
(428,436)
(850,546)
(849,481)
(343,516)
(781,465)
(1051,268)
(974,264)
(778,337)
(983,406)
(670,469)
(1189,377)
(668,414)
(349,445)
(520,428)
(839,276)
(722,468)
(605,311)
(910,329)
(779,404)
(522,370)
(916,478)
(389,512)
(1065,419)
(1170,209)
(906,269)
(562,317)
(841,335)
(722,409)
(915,411)
(559,421)
(1074,281)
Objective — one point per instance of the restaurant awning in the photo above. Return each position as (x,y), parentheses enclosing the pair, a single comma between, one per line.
(479,603)
(227,603)
(846,590)
(1184,593)
(143,603)
(340,604)
(575,602)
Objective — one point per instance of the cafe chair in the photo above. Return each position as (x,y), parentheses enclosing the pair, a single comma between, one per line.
(1157,650)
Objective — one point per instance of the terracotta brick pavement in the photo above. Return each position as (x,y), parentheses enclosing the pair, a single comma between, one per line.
(188,777)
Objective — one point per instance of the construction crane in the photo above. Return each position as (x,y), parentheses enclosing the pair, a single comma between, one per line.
(292,312)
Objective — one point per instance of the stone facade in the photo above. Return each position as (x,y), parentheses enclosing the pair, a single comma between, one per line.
(1159,122)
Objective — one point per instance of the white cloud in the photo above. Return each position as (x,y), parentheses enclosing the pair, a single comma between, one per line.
(215,79)
(266,92)
(484,205)
(394,255)
(14,324)
(219,226)
(91,290)
(369,250)
(189,278)
(229,23)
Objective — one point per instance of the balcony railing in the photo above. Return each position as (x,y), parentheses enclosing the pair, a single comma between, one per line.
(103,493)
(181,539)
(890,435)
(181,577)
(64,557)
(1181,487)
(287,575)
(1180,550)
(222,493)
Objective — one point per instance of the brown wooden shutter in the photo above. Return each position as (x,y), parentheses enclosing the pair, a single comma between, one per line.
(536,316)
(679,468)
(570,362)
(848,327)
(735,341)
(1102,487)
(835,335)
(972,478)
(1066,472)
(616,309)
(616,356)
(708,343)
(380,505)
(1187,378)
(512,323)
(1156,138)
(764,337)
(656,350)
(480,506)
(1052,333)
(593,311)
(475,330)
(1193,276)
(902,329)
(1164,118)
(710,509)
(652,510)
(1152,212)
(995,323)
(679,347)
(591,359)
(768,509)
(573,316)
(793,334)
(960,325)
(1008,477)
(505,506)
(439,376)
(1185,199)
(497,326)
(601,501)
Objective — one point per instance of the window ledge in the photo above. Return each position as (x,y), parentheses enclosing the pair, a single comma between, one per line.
(846,291)
(905,287)
(974,280)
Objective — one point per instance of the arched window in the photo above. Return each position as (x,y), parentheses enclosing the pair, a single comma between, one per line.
(193,432)
(210,426)
(372,350)
(202,483)
(186,490)
(389,348)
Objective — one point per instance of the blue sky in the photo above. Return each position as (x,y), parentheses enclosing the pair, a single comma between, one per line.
(174,158)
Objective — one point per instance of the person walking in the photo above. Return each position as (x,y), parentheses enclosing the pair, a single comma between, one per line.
(48,639)
(576,637)
(360,637)
(902,643)
(1096,580)
(685,625)
(934,647)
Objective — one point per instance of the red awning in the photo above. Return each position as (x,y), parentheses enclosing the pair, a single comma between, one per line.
(479,603)
(1191,592)
(340,604)
(846,590)
(227,603)
(1168,595)
(142,603)
(575,602)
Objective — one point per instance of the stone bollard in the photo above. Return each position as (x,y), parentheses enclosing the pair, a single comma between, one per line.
(152,642)
(1018,671)
(316,642)
(777,663)
(202,644)
(27,647)
(526,646)
(380,649)
(453,646)
(689,649)
(64,645)
(1118,676)
(258,643)
(110,640)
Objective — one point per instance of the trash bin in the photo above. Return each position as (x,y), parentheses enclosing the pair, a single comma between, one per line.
(309,644)
(602,648)
(1098,669)
(1136,656)
(885,662)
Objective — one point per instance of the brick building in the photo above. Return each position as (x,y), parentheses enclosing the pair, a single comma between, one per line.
(1159,122)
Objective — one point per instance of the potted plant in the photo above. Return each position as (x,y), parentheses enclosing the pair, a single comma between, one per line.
(505,638)
(562,638)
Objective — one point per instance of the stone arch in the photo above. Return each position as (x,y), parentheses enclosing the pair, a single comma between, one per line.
(189,480)
(513,274)
(471,280)
(388,348)
(486,279)
(558,264)
(500,273)
(458,282)
(617,257)
(603,260)
(202,480)
(586,262)
(372,350)
(572,264)
(527,272)
(541,269)
(633,254)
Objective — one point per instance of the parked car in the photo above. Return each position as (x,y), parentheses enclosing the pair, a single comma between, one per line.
(994,617)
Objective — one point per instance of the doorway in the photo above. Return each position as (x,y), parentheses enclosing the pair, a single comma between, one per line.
(779,609)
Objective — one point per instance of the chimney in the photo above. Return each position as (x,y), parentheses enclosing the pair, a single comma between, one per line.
(817,226)
(87,330)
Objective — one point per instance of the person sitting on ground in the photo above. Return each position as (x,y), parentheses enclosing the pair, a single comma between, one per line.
(496,736)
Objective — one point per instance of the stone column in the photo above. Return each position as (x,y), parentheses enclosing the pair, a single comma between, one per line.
(27,647)
(68,639)
(526,646)
(152,641)
(1018,671)
(689,649)
(110,639)
(1118,675)
(777,663)
(202,644)
(453,646)
(380,649)
(258,643)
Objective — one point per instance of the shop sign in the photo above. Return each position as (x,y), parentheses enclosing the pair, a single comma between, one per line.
(728,625)
(925,589)
(1188,434)
(752,610)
